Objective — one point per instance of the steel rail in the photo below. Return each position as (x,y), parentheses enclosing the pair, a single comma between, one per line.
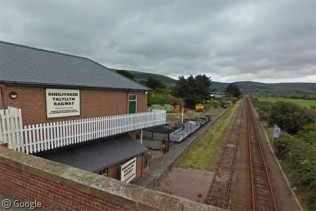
(250,162)
(257,139)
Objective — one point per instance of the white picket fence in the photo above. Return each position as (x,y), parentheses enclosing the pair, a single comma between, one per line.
(11,129)
(40,137)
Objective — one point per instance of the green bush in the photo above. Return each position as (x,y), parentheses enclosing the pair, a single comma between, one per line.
(300,157)
(288,116)
(215,103)
(308,134)
(263,108)
(157,98)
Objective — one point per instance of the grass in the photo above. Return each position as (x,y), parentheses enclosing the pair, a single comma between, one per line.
(167,190)
(204,153)
(300,102)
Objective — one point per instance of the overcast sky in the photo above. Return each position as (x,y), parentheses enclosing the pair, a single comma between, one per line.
(265,41)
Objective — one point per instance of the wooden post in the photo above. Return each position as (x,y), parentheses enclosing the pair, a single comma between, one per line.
(182,115)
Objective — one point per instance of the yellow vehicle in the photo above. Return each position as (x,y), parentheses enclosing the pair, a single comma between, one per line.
(199,107)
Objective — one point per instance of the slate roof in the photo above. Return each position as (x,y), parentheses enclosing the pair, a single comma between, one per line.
(96,155)
(160,129)
(31,66)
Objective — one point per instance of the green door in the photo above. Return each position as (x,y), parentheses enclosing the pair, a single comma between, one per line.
(132,107)
(132,104)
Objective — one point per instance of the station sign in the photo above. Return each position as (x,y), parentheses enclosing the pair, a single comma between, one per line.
(128,170)
(276,131)
(62,103)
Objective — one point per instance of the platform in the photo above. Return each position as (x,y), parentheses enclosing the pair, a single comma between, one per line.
(160,167)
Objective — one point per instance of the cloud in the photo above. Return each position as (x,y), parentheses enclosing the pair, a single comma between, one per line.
(267,41)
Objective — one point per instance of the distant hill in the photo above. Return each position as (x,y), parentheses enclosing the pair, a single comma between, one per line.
(246,87)
(274,89)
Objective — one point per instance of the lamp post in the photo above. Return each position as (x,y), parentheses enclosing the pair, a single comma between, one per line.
(182,110)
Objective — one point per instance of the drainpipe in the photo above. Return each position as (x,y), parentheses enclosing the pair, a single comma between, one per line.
(127,101)
(2,97)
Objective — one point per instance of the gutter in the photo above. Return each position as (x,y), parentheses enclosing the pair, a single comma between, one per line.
(43,85)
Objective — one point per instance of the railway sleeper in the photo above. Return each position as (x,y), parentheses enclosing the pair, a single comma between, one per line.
(262,186)
(263,193)
(260,177)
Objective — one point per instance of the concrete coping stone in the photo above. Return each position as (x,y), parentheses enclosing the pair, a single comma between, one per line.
(126,195)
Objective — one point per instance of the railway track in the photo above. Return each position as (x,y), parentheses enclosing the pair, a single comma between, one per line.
(220,191)
(262,195)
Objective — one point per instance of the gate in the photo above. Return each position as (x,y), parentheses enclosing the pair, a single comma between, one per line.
(11,129)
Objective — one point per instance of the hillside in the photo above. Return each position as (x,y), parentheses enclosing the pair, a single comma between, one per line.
(274,89)
(246,87)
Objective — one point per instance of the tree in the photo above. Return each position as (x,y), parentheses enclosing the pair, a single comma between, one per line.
(193,89)
(289,117)
(155,83)
(126,73)
(203,84)
(233,90)
(180,90)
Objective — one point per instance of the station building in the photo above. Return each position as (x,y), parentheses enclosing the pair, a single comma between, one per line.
(93,111)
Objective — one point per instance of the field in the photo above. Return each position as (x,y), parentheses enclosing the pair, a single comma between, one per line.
(300,102)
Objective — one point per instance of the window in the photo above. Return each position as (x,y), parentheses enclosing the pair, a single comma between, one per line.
(103,172)
(132,97)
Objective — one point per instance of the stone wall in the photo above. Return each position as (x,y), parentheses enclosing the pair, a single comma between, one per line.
(59,187)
